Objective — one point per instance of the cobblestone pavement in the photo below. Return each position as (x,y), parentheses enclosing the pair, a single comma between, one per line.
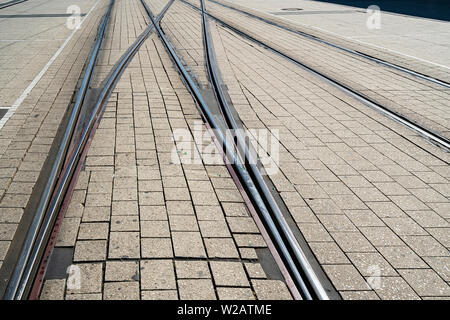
(400,40)
(143,222)
(373,206)
(27,136)
(418,100)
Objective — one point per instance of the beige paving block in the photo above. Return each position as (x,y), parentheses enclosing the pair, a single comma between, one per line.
(124,245)
(96,214)
(68,231)
(328,253)
(242,225)
(84,296)
(381,236)
(4,246)
(90,250)
(345,277)
(221,248)
(371,264)
(98,200)
(157,275)
(314,232)
(192,270)
(10,215)
(426,246)
(425,282)
(121,291)
(155,229)
(359,295)
(225,293)
(93,231)
(271,290)
(124,208)
(213,213)
(404,226)
(250,240)
(91,275)
(183,223)
(159,295)
(121,271)
(337,223)
(7,231)
(402,257)
(151,198)
(188,244)
(196,289)
(214,229)
(179,208)
(153,213)
(53,289)
(124,223)
(352,242)
(248,253)
(235,209)
(441,265)
(156,248)
(395,288)
(255,270)
(229,274)
(364,218)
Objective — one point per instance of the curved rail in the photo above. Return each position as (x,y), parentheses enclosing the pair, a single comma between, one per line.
(328,43)
(431,136)
(258,199)
(10,3)
(302,261)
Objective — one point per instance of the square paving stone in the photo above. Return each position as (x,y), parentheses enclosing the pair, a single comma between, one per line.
(346,277)
(192,270)
(196,289)
(426,282)
(271,290)
(225,293)
(93,250)
(124,245)
(157,274)
(188,244)
(121,271)
(229,274)
(156,248)
(221,248)
(121,290)
(155,229)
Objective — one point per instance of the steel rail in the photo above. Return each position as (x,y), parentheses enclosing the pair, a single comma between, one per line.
(16,286)
(10,3)
(233,159)
(431,136)
(41,231)
(294,246)
(351,51)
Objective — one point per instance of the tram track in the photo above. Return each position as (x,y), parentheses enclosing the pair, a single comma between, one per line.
(7,4)
(430,135)
(339,47)
(27,276)
(244,165)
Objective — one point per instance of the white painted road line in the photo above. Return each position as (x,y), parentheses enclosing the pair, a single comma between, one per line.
(33,83)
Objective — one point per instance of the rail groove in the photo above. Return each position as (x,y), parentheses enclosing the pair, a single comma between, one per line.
(300,270)
(429,135)
(351,51)
(10,3)
(37,237)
